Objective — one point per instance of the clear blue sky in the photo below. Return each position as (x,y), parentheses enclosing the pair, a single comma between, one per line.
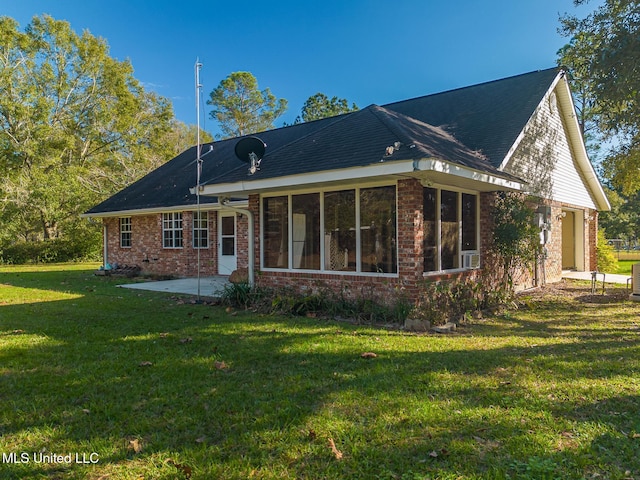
(367,51)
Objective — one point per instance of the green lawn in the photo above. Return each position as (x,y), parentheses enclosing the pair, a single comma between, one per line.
(624,266)
(150,386)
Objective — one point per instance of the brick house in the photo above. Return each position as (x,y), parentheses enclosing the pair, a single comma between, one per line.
(381,198)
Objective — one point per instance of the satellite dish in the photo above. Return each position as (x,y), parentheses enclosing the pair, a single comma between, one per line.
(251,150)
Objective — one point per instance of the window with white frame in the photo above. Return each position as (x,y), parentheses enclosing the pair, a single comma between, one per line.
(200,229)
(125,232)
(172,230)
(450,228)
(318,231)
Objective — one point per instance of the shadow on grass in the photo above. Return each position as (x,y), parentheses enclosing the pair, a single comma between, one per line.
(241,396)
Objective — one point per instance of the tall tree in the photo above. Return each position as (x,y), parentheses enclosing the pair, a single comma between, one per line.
(75,125)
(320,106)
(241,108)
(606,47)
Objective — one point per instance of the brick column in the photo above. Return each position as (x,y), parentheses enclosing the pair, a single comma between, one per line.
(410,235)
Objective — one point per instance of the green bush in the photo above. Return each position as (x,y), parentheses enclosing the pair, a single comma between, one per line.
(83,248)
(605,256)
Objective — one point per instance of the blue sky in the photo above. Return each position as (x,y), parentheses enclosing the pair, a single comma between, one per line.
(367,51)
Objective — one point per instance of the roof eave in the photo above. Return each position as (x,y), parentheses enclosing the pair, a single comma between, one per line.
(417,168)
(154,210)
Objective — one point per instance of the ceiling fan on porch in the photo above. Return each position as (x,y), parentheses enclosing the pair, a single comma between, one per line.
(251,150)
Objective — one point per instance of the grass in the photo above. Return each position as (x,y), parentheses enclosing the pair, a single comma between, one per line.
(150,386)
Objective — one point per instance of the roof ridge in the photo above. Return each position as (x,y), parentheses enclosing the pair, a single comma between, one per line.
(467,87)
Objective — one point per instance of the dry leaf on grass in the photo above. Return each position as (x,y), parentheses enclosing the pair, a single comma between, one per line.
(186,340)
(220,365)
(135,445)
(368,355)
(185,469)
(145,364)
(337,453)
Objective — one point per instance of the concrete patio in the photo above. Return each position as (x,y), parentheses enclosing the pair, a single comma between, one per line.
(210,287)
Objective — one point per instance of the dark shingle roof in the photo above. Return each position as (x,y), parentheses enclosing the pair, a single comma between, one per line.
(472,126)
(487,117)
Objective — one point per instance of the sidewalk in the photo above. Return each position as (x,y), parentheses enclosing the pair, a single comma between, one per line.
(608,277)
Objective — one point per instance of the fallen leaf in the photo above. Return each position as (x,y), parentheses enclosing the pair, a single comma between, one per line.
(635,435)
(135,445)
(185,469)
(220,365)
(337,453)
(186,340)
(86,410)
(164,335)
(433,454)
(368,355)
(18,332)
(201,439)
(145,364)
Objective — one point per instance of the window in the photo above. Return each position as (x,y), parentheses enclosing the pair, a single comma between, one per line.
(378,229)
(200,229)
(125,232)
(430,229)
(276,232)
(340,230)
(305,211)
(320,231)
(172,230)
(450,228)
(228,235)
(469,222)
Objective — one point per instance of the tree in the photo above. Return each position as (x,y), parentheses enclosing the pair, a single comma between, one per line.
(606,45)
(320,106)
(75,126)
(242,109)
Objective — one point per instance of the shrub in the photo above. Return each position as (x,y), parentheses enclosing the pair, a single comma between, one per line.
(605,256)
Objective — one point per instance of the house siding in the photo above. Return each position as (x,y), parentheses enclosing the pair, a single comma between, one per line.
(545,160)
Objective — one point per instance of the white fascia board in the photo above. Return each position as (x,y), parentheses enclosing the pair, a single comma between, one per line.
(439,166)
(396,167)
(151,211)
(578,146)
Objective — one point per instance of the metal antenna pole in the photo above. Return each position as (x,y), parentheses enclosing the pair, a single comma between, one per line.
(198,66)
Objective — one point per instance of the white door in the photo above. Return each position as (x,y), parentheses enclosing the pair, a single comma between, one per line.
(227,245)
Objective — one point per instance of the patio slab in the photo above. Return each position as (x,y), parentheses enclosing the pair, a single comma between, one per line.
(209,286)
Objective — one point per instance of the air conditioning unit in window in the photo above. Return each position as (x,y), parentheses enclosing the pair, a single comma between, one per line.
(635,282)
(471,260)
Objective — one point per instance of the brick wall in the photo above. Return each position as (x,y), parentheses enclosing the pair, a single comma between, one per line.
(147,251)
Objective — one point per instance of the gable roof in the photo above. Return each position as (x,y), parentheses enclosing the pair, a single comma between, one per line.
(487,117)
(467,130)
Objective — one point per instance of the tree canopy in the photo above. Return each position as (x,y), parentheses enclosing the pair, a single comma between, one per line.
(75,127)
(603,55)
(320,106)
(241,108)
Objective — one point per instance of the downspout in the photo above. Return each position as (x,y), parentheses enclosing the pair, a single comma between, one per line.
(224,201)
(105,245)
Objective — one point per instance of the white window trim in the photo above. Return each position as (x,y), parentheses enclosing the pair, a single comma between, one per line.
(129,231)
(173,229)
(195,214)
(461,252)
(358,271)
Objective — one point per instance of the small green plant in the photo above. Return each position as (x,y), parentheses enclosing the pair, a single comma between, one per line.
(605,256)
